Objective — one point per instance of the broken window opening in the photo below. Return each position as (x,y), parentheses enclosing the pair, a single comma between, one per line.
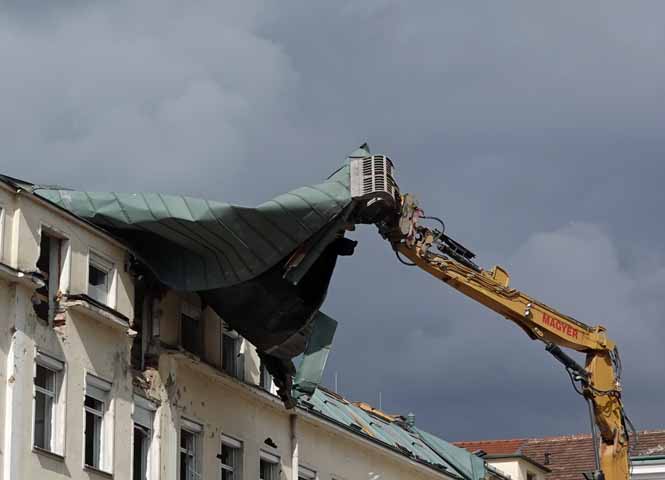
(50,265)
(142,324)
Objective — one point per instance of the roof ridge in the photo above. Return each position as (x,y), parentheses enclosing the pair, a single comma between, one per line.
(493,440)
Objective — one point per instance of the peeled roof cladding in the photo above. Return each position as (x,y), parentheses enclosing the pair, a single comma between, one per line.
(235,257)
(410,441)
(193,244)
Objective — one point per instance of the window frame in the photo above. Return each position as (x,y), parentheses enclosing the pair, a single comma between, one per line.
(100,390)
(195,429)
(60,260)
(105,264)
(306,473)
(238,354)
(272,459)
(265,379)
(236,470)
(56,426)
(143,417)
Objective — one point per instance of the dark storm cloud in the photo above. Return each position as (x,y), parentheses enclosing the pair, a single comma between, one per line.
(533,129)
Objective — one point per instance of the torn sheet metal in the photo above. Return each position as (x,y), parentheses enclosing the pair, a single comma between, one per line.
(464,463)
(194,244)
(310,370)
(264,270)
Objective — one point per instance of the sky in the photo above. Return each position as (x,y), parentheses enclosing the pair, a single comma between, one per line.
(534,129)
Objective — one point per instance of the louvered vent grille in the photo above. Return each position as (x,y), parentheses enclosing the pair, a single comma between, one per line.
(372,181)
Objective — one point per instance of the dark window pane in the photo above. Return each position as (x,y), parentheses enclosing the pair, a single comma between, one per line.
(191,334)
(44,260)
(93,403)
(40,420)
(186,440)
(44,378)
(96,276)
(226,455)
(139,453)
(90,448)
(183,466)
(229,356)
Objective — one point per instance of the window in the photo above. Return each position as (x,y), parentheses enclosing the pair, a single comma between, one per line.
(265,379)
(50,264)
(190,455)
(47,384)
(144,413)
(268,466)
(97,435)
(232,357)
(100,279)
(231,458)
(305,473)
(191,338)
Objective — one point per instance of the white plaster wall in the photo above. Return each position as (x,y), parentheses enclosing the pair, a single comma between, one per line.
(224,406)
(509,467)
(84,344)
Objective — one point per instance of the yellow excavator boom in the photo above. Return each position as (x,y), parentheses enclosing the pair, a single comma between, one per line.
(440,256)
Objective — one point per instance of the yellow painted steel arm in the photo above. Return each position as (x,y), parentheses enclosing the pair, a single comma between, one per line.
(541,322)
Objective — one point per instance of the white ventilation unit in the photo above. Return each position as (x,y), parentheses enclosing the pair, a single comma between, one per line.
(373,186)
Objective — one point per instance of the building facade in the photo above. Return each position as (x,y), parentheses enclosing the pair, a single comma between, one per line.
(106,374)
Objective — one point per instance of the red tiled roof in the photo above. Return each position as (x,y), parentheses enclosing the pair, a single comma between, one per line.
(494,447)
(567,456)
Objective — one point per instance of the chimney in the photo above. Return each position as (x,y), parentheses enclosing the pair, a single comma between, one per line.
(411,420)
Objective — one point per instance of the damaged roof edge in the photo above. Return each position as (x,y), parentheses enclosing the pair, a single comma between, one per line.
(442,470)
(390,431)
(20,189)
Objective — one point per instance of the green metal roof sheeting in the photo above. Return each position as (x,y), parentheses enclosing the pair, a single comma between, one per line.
(204,244)
(418,445)
(466,464)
